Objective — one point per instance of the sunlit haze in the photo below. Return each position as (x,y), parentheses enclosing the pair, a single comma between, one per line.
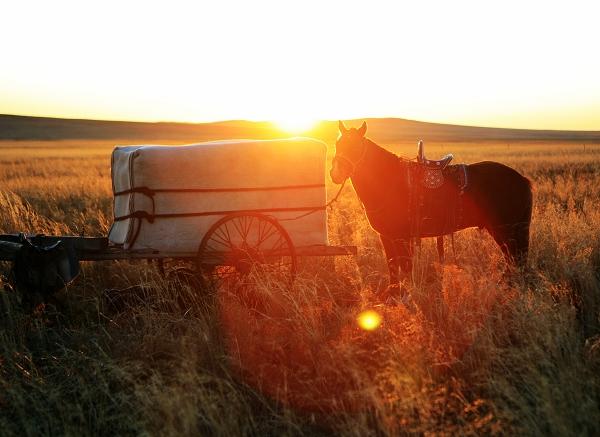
(506,63)
(297,124)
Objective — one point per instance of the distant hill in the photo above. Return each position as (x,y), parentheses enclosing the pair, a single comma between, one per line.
(15,127)
(397,129)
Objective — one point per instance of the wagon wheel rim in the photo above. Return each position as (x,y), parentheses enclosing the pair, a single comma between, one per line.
(242,249)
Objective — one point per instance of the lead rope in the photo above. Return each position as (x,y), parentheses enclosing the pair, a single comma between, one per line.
(327,205)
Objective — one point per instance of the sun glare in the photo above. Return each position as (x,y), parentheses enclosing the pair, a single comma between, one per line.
(369,320)
(295,125)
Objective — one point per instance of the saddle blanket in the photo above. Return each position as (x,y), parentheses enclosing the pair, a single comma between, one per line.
(439,199)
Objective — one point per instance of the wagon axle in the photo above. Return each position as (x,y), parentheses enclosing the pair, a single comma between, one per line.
(243,258)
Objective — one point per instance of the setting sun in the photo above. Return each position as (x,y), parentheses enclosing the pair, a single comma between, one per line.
(295,125)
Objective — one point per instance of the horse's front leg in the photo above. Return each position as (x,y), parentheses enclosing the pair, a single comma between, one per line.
(398,254)
(404,251)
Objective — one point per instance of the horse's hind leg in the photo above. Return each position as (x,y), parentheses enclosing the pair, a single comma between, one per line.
(514,242)
(521,245)
(404,249)
(392,258)
(440,248)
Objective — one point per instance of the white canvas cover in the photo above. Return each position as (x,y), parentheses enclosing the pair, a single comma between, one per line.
(293,170)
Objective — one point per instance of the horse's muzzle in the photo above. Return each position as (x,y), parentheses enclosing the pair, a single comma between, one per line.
(336,176)
(337,173)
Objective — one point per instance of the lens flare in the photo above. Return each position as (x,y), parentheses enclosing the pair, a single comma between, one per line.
(369,320)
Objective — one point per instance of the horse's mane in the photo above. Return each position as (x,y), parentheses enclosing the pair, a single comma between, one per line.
(387,152)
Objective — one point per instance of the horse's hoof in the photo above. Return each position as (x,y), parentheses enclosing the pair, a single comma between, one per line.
(396,294)
(392,291)
(408,303)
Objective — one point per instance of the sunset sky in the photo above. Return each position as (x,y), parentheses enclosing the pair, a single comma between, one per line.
(531,64)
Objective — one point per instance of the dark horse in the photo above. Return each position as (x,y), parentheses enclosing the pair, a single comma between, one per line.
(489,195)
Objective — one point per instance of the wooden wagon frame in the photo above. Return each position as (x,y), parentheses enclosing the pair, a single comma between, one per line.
(44,264)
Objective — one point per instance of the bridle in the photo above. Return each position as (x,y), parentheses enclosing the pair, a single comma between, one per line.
(353,165)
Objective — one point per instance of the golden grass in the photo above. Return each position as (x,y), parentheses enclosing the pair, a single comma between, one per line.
(474,356)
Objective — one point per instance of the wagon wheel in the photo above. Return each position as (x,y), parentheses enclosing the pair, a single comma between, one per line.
(243,252)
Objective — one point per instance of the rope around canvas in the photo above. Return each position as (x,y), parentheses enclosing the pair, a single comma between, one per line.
(151,216)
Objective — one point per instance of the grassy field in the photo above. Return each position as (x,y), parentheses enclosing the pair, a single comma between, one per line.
(475,356)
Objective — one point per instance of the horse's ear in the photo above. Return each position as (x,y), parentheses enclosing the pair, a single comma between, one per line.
(363,129)
(342,127)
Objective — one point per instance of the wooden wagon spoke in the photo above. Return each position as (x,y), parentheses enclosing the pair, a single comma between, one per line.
(264,237)
(239,227)
(279,243)
(247,225)
(223,239)
(228,235)
(222,243)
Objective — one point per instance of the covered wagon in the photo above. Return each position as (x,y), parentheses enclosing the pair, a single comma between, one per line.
(167,198)
(226,206)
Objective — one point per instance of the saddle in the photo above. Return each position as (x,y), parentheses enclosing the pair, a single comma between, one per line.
(432,170)
(430,163)
(437,195)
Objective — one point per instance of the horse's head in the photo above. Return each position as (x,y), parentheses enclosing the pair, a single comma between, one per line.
(350,149)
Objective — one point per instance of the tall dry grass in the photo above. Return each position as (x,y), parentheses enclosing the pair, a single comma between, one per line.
(475,355)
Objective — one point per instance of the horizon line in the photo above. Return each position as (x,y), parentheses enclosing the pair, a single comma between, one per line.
(274,122)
